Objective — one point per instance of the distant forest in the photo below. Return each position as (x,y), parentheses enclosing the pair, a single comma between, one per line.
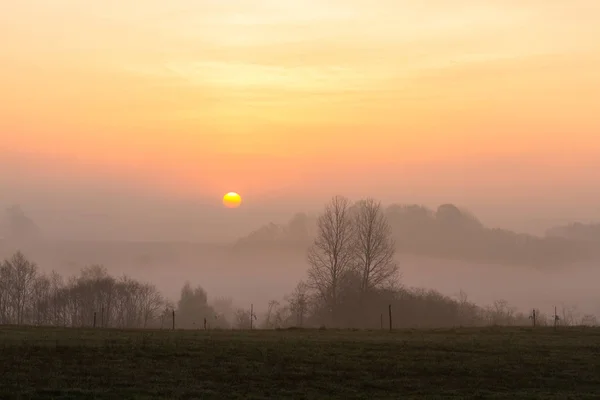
(94,298)
(577,231)
(353,278)
(449,232)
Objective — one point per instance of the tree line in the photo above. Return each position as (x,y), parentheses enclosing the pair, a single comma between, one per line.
(352,281)
(577,231)
(29,296)
(446,232)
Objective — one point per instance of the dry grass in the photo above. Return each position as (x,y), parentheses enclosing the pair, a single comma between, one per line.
(49,363)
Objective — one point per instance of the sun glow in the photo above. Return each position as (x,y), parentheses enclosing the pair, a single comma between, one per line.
(232,200)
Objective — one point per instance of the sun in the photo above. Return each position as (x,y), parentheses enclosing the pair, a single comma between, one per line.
(232,200)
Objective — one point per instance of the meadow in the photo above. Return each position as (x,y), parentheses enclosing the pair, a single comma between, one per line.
(495,362)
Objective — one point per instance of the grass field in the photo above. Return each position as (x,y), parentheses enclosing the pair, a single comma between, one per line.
(48,363)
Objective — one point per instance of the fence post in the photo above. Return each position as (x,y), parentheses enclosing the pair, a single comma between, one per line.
(390,313)
(173,319)
(204,323)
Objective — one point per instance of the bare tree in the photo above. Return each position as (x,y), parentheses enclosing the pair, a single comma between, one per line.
(5,283)
(57,300)
(374,247)
(40,297)
(501,313)
(463,306)
(23,274)
(331,255)
(244,318)
(275,316)
(166,314)
(151,302)
(570,315)
(298,303)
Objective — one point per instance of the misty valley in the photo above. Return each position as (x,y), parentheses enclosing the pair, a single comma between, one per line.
(360,301)
(446,262)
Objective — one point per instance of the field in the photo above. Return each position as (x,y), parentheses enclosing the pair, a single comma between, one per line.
(50,363)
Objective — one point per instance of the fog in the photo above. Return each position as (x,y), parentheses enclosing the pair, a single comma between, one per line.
(70,199)
(169,237)
(166,243)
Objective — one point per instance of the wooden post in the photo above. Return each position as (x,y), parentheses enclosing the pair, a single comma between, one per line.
(173,319)
(251,315)
(204,323)
(390,313)
(94,319)
(533,316)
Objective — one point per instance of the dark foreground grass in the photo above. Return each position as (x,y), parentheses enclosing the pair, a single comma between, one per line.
(47,363)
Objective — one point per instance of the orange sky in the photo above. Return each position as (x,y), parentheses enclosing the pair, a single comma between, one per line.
(276,95)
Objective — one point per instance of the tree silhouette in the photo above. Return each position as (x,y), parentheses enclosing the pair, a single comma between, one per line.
(331,255)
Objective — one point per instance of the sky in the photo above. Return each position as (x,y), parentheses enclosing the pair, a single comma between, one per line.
(491,104)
